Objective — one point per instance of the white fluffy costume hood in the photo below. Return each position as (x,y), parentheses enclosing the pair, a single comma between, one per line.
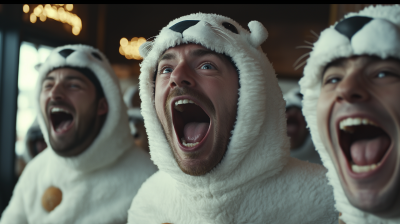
(306,151)
(256,181)
(378,35)
(97,185)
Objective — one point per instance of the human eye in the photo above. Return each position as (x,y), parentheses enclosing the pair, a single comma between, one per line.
(74,85)
(47,85)
(383,74)
(166,70)
(207,66)
(332,80)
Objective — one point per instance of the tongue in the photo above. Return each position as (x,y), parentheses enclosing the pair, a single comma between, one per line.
(63,125)
(369,151)
(195,131)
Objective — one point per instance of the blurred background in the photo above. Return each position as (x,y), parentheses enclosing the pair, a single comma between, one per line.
(28,32)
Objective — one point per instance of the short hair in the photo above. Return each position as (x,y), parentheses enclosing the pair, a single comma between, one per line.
(91,76)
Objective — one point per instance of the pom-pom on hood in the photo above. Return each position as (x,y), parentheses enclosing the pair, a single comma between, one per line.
(258,145)
(374,31)
(114,137)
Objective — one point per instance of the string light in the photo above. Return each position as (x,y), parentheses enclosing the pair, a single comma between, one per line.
(58,13)
(69,7)
(32,18)
(25,8)
(130,49)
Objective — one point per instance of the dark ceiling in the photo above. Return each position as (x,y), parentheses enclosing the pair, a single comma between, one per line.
(288,26)
(104,25)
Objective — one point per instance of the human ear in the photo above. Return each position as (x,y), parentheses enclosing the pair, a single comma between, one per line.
(102,107)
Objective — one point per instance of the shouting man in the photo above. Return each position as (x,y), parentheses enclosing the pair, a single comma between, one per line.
(91,171)
(351,93)
(215,117)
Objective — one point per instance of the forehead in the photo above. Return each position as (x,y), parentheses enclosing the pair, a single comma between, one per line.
(356,62)
(65,73)
(191,50)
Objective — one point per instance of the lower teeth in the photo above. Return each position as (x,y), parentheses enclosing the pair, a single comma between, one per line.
(363,169)
(188,144)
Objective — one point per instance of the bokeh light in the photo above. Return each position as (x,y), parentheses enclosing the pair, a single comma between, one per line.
(58,13)
(25,8)
(69,7)
(33,18)
(130,49)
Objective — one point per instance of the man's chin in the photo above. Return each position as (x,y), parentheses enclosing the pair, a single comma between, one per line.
(375,200)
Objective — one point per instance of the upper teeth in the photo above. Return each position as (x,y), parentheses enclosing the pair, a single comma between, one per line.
(346,124)
(57,109)
(184,101)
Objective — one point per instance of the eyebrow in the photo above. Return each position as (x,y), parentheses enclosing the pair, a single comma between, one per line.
(72,77)
(195,53)
(203,52)
(69,77)
(167,56)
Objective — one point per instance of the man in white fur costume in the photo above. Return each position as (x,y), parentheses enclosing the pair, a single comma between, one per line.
(301,145)
(91,170)
(351,88)
(215,117)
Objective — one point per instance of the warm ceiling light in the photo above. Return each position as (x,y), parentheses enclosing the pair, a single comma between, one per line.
(76,30)
(58,13)
(25,8)
(130,49)
(69,7)
(123,42)
(33,18)
(42,17)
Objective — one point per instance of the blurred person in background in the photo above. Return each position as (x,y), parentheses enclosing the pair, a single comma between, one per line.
(34,144)
(136,122)
(91,169)
(301,145)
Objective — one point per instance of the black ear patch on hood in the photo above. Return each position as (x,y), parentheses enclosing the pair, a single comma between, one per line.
(230,27)
(66,52)
(352,25)
(183,25)
(96,55)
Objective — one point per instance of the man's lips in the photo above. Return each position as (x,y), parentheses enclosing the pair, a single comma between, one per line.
(362,138)
(61,119)
(190,117)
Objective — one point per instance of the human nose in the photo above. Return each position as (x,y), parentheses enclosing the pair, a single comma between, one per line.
(182,76)
(56,92)
(352,90)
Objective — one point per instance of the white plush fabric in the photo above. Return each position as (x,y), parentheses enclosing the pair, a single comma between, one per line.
(97,185)
(256,181)
(380,37)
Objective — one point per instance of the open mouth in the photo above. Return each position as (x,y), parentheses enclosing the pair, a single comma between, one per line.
(292,125)
(61,119)
(364,144)
(191,123)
